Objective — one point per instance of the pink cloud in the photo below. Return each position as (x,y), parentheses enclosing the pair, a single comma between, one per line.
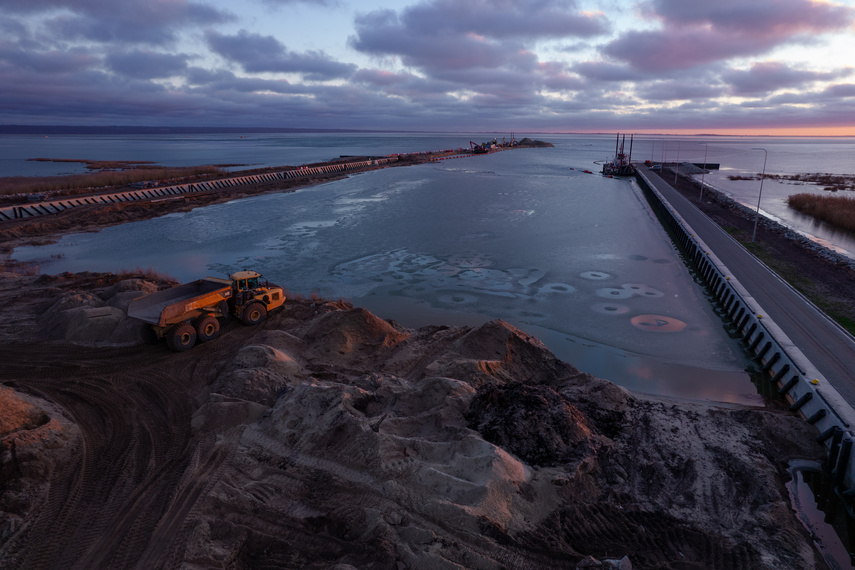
(698,33)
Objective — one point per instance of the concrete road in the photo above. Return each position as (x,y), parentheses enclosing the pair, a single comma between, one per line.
(829,347)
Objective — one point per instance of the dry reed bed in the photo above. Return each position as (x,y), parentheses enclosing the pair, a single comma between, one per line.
(81,183)
(838,211)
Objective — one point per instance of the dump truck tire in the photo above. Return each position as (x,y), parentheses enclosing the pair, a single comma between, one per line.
(253,314)
(181,337)
(207,328)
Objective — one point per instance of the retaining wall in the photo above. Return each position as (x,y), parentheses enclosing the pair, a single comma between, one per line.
(30,210)
(787,370)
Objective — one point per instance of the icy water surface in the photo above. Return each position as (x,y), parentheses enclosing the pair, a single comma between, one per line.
(576,259)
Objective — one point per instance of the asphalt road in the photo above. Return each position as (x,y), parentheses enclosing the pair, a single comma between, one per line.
(828,347)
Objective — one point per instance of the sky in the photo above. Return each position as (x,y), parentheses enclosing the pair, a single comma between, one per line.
(780,67)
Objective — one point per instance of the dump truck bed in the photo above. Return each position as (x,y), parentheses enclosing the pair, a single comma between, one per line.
(170,305)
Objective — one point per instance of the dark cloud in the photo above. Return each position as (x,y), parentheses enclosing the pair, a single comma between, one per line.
(606,71)
(381,33)
(503,19)
(141,21)
(147,64)
(701,32)
(325,3)
(479,48)
(46,62)
(766,77)
(441,64)
(220,81)
(698,89)
(448,34)
(257,53)
(841,90)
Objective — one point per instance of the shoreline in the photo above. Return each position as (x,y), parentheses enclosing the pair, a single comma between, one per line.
(824,276)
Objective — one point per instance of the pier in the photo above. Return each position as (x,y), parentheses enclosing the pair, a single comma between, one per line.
(802,353)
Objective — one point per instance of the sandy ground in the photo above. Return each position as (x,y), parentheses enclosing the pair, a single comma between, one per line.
(329,438)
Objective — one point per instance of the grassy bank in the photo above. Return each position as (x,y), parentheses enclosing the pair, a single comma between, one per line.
(829,285)
(839,211)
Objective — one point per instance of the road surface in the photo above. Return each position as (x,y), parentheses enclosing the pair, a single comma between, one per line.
(828,347)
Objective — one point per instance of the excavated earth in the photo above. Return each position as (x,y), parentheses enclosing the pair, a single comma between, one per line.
(327,437)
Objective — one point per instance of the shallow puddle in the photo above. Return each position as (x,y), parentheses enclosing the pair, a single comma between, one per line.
(823,513)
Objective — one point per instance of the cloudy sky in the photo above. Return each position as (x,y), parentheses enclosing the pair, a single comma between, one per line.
(675,66)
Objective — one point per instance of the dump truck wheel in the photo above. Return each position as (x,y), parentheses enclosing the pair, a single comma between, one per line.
(181,337)
(253,314)
(207,328)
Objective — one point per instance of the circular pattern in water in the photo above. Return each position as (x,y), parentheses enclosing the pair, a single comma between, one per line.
(612,293)
(657,323)
(595,275)
(610,308)
(643,290)
(556,288)
(458,299)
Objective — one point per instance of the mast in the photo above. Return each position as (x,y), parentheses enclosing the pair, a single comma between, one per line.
(631,136)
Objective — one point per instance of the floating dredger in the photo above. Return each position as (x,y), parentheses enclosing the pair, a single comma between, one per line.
(621,165)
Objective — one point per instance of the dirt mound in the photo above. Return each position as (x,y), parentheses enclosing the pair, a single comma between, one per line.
(327,437)
(35,440)
(533,422)
(351,336)
(498,351)
(370,457)
(98,319)
(258,373)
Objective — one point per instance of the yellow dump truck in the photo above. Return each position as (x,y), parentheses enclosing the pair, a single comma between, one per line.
(190,312)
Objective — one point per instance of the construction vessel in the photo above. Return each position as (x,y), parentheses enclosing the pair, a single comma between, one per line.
(621,164)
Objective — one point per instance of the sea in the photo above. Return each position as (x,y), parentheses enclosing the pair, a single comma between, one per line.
(525,235)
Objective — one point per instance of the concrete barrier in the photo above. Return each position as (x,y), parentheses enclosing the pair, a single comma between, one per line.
(780,361)
(20,211)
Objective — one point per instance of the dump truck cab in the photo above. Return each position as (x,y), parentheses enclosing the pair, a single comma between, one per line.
(253,299)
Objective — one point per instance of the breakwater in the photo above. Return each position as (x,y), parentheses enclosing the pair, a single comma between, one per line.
(42,208)
(783,366)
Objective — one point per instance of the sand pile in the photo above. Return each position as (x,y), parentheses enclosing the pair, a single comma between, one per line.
(97,318)
(330,438)
(35,440)
(476,448)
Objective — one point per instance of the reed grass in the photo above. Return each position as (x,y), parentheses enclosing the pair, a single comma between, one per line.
(149,274)
(839,211)
(81,183)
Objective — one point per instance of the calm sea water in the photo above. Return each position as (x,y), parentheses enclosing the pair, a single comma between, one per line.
(737,156)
